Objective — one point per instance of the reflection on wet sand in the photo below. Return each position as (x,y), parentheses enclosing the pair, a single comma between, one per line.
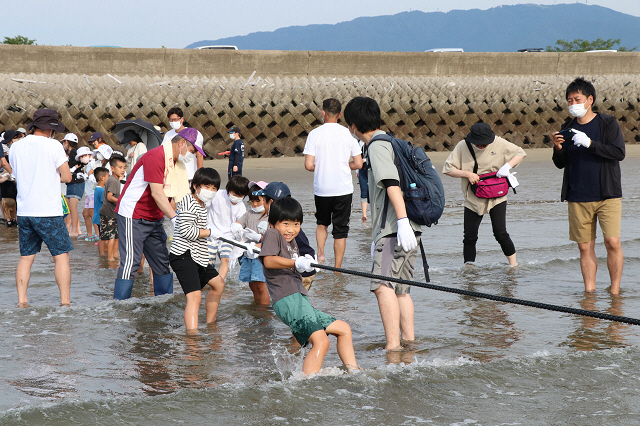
(593,333)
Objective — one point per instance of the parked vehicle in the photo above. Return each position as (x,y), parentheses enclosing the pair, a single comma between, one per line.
(446,49)
(222,47)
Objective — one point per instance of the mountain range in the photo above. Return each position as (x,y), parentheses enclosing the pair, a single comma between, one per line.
(499,29)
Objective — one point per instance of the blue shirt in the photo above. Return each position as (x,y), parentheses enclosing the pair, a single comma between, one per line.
(97,203)
(236,157)
(584,177)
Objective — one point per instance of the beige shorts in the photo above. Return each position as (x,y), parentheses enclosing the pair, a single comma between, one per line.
(306,281)
(391,261)
(583,218)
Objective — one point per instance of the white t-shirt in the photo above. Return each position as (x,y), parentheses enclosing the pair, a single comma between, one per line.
(221,214)
(192,165)
(35,161)
(332,145)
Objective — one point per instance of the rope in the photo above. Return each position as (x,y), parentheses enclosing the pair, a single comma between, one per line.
(549,307)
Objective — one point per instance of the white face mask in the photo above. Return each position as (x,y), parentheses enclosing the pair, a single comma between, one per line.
(85,160)
(233,136)
(184,159)
(578,110)
(206,195)
(258,209)
(175,125)
(234,199)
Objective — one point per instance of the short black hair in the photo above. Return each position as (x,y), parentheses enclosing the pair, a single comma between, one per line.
(205,176)
(332,106)
(254,188)
(177,111)
(99,172)
(238,185)
(364,113)
(580,85)
(286,208)
(116,159)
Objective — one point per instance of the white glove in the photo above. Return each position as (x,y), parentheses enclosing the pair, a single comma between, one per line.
(82,176)
(581,139)
(92,179)
(262,227)
(504,170)
(237,230)
(512,180)
(250,253)
(214,233)
(303,264)
(373,247)
(174,220)
(73,169)
(252,236)
(406,236)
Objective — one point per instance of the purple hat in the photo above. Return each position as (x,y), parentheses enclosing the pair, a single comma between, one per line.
(47,119)
(190,134)
(95,135)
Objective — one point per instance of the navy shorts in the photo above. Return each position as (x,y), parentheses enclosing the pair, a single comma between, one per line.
(32,231)
(75,190)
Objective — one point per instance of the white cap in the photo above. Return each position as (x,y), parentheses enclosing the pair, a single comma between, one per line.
(70,137)
(83,150)
(21,130)
(105,150)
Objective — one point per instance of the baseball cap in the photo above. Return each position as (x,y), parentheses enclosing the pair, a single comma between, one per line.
(95,135)
(22,130)
(190,134)
(71,138)
(105,150)
(276,190)
(235,129)
(261,184)
(47,119)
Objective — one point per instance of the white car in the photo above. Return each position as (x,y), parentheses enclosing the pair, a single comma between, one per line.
(218,47)
(446,49)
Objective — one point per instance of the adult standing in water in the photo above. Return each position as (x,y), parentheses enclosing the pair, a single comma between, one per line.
(493,154)
(39,164)
(141,208)
(236,153)
(591,183)
(331,153)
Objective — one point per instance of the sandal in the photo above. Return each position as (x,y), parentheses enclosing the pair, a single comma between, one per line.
(92,238)
(82,237)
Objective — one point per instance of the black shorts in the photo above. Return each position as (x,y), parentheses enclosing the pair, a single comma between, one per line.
(192,277)
(336,210)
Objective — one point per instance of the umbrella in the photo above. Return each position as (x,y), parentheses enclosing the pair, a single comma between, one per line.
(149,135)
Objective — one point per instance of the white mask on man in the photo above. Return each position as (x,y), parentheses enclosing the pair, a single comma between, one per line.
(175,125)
(578,110)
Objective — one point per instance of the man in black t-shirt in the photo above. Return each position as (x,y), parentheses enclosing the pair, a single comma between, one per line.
(591,183)
(236,153)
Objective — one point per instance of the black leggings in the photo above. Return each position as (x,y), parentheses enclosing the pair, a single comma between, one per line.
(472,221)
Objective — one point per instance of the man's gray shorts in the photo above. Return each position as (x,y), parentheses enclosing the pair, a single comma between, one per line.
(391,261)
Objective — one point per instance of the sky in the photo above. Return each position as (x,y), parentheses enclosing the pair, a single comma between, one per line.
(175,24)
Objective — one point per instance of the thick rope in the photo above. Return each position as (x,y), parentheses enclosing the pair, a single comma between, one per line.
(557,308)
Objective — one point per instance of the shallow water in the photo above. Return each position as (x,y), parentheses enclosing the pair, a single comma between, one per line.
(474,361)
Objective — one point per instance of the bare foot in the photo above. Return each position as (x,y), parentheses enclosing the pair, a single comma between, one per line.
(364,218)
(321,258)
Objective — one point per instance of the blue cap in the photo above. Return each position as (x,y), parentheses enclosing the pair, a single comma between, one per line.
(276,190)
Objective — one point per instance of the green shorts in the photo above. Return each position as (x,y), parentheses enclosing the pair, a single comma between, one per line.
(296,311)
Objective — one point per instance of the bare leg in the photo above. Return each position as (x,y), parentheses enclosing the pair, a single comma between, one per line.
(512,260)
(88,219)
(116,249)
(111,245)
(63,277)
(615,262)
(588,264)
(191,311)
(224,267)
(321,239)
(23,273)
(406,316)
(320,345)
(339,247)
(342,331)
(75,219)
(260,293)
(390,314)
(364,210)
(67,223)
(212,302)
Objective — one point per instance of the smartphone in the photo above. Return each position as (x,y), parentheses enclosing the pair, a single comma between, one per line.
(567,134)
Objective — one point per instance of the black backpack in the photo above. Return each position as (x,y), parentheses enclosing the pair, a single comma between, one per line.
(421,187)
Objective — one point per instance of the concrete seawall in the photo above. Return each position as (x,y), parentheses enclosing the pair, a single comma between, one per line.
(429,99)
(194,62)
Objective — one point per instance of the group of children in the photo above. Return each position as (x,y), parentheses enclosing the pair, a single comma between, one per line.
(277,254)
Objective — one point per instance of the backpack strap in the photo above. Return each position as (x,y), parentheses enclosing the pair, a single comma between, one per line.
(425,265)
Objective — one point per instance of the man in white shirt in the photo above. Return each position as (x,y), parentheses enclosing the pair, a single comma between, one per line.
(328,154)
(39,164)
(176,121)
